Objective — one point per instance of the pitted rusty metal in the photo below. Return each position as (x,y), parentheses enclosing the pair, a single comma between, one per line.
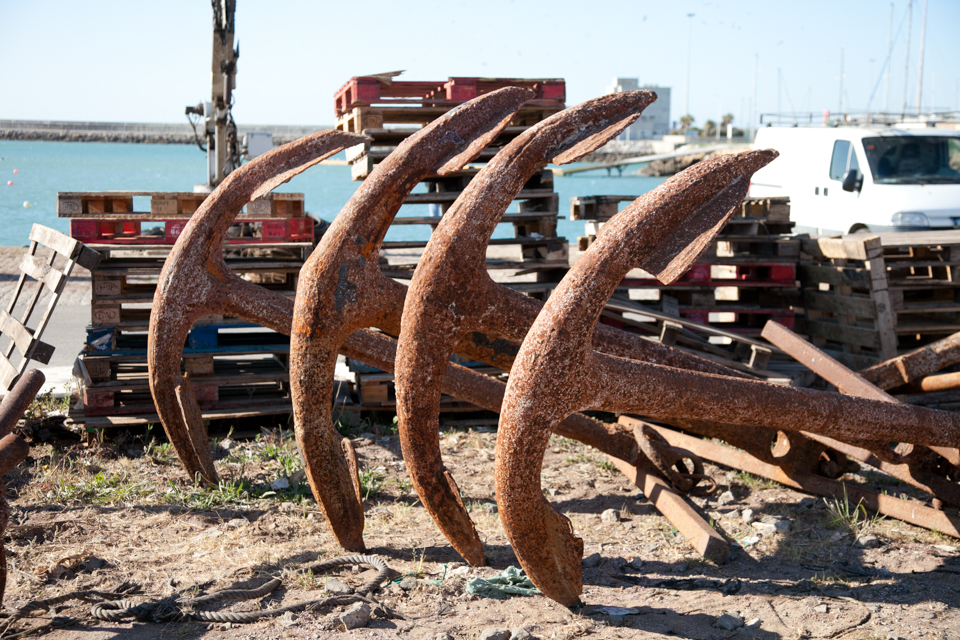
(669,461)
(557,372)
(342,289)
(13,448)
(452,296)
(195,282)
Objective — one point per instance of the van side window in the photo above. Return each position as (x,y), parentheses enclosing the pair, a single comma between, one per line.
(838,164)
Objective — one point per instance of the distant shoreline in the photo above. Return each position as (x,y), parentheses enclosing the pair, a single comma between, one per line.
(133,132)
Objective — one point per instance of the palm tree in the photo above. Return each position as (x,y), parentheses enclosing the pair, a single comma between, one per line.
(685,122)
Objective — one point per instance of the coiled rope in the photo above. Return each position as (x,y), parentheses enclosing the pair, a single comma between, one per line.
(178,608)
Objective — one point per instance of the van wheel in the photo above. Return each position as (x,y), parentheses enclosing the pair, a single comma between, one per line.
(859,228)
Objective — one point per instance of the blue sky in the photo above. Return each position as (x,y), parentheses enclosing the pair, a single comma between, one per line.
(144,61)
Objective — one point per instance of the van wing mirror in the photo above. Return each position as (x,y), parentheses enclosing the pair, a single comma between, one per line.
(852,180)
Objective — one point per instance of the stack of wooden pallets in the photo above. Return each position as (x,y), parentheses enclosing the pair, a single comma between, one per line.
(388,111)
(746,277)
(867,298)
(237,369)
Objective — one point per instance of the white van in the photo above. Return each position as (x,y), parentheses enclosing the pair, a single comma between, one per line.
(852,179)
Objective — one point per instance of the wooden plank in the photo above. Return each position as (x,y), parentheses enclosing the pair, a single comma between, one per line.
(55,240)
(886,318)
(862,306)
(20,335)
(41,271)
(8,373)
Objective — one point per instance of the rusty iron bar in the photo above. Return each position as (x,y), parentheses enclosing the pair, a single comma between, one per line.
(921,467)
(195,282)
(556,372)
(942,382)
(13,448)
(452,296)
(910,512)
(915,365)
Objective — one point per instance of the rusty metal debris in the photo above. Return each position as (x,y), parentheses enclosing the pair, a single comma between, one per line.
(452,296)
(925,468)
(556,372)
(13,448)
(915,365)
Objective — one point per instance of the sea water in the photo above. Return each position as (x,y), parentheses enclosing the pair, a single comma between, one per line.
(44,168)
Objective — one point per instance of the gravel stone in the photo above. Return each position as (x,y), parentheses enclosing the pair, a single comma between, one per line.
(592,561)
(335,586)
(409,583)
(868,542)
(494,634)
(728,622)
(356,616)
(748,516)
(520,633)
(610,516)
(726,497)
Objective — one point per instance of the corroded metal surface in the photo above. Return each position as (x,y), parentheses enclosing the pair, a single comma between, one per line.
(342,289)
(195,282)
(556,371)
(915,365)
(908,511)
(451,296)
(671,462)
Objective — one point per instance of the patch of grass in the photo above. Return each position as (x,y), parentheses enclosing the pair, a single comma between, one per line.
(46,404)
(606,465)
(852,517)
(754,482)
(102,489)
(205,498)
(372,481)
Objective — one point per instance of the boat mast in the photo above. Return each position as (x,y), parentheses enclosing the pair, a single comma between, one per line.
(906,63)
(923,38)
(886,73)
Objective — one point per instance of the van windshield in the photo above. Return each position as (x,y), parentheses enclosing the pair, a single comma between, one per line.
(914,159)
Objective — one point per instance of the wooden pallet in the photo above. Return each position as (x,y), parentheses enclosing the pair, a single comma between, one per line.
(49,274)
(101,204)
(243,382)
(368,90)
(847,306)
(120,230)
(602,208)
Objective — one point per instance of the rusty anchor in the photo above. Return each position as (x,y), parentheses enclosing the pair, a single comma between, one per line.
(195,282)
(556,372)
(342,289)
(452,296)
(193,277)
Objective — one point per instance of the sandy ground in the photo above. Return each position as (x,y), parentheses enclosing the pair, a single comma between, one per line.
(100,516)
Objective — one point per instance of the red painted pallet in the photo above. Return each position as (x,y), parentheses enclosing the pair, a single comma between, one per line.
(362,91)
(162,232)
(740,275)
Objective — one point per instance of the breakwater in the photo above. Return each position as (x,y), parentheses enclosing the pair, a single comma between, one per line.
(135,132)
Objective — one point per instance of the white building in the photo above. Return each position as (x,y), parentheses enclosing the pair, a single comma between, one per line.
(654,122)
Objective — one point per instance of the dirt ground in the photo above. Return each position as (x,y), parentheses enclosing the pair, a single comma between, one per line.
(99,516)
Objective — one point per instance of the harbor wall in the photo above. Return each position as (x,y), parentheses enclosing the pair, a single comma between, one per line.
(134,132)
